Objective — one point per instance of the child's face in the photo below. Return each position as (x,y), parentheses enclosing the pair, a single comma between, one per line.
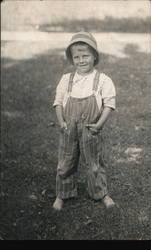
(83,58)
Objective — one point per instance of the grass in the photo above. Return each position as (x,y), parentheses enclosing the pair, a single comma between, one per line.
(29,154)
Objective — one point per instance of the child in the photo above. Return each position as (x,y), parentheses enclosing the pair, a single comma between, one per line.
(84,100)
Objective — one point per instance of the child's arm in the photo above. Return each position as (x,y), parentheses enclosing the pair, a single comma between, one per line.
(59,113)
(60,93)
(108,94)
(103,118)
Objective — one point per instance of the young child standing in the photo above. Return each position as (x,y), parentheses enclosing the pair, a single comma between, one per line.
(83,102)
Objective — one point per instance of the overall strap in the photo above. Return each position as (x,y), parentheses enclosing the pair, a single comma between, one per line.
(70,82)
(96,81)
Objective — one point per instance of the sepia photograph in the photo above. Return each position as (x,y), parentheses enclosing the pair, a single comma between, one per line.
(75,120)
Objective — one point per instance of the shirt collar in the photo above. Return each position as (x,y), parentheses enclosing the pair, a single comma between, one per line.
(78,77)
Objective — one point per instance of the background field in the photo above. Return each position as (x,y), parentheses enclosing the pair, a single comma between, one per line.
(29,144)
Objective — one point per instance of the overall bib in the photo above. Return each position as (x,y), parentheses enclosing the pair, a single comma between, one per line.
(78,141)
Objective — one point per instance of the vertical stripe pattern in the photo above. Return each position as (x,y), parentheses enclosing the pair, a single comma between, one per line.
(78,140)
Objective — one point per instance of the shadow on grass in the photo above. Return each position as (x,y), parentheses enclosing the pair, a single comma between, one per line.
(108,24)
(29,153)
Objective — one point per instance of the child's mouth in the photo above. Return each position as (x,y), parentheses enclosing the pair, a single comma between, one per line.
(81,66)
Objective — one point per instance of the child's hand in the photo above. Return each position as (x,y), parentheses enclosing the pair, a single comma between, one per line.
(63,126)
(93,128)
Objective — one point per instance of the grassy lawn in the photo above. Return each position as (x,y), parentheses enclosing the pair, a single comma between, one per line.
(29,147)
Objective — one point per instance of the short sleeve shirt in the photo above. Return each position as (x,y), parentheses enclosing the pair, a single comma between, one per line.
(83,86)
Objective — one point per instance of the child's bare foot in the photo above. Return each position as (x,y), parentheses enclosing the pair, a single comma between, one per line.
(58,204)
(108,202)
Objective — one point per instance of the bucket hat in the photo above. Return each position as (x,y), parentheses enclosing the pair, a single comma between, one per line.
(85,37)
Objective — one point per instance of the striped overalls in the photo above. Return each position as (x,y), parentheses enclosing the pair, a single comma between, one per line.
(78,141)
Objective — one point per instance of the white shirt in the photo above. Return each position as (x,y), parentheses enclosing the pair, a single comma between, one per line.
(82,87)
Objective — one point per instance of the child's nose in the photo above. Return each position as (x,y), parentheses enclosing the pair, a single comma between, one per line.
(81,60)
